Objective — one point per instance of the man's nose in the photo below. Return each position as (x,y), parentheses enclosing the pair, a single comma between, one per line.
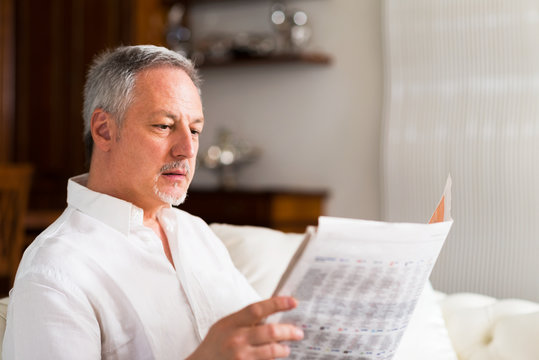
(185,145)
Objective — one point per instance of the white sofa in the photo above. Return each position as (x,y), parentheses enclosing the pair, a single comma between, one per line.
(457,326)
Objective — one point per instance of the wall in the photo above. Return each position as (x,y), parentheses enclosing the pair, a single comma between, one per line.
(319,127)
(463,84)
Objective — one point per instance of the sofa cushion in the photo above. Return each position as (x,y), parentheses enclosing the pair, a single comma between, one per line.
(482,327)
(263,254)
(3,315)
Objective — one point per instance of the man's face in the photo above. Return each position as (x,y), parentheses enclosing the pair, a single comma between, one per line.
(155,152)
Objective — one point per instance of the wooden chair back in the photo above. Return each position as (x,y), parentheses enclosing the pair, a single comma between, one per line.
(15,182)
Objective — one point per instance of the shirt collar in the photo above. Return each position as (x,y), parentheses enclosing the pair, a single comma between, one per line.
(116,213)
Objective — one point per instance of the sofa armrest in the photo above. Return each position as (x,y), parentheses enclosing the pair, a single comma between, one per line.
(482,327)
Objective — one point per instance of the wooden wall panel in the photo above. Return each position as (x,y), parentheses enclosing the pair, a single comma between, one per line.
(7,79)
(149,19)
(55,42)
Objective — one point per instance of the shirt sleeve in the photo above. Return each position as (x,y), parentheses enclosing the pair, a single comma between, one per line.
(50,319)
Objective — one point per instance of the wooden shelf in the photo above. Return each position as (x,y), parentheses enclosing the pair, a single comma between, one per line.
(306,57)
(314,58)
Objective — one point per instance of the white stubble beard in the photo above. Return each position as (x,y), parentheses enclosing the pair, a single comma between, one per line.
(169,198)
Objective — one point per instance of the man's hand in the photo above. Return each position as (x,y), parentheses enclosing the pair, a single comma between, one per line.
(243,335)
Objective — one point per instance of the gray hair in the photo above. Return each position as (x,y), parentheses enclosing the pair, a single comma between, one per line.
(111,79)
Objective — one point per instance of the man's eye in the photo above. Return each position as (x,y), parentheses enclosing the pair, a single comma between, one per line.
(162,126)
(195,132)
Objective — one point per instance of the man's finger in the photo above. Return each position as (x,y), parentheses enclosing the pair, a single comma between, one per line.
(255,313)
(268,333)
(270,351)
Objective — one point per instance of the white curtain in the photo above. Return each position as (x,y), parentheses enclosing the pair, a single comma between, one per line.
(462,96)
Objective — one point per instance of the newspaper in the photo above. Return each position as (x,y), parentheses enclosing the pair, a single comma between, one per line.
(357,283)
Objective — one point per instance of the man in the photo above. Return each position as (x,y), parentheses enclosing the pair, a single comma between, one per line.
(121,274)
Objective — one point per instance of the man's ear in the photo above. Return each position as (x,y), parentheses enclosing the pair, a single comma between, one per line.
(103,127)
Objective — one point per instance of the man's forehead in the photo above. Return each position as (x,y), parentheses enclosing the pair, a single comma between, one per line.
(160,78)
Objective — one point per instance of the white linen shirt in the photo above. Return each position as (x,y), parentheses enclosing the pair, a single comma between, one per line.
(96,284)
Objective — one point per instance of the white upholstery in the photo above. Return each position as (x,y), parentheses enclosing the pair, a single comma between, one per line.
(484,328)
(3,314)
(261,254)
(477,327)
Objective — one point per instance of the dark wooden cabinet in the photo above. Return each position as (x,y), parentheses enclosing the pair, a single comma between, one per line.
(285,210)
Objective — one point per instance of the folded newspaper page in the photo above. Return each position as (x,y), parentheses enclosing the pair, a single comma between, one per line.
(357,283)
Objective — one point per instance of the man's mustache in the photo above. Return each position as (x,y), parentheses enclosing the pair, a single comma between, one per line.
(181,165)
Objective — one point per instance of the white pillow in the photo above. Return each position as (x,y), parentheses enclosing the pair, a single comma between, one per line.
(260,254)
(263,254)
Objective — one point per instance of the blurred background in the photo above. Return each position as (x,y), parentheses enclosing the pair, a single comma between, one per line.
(352,108)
